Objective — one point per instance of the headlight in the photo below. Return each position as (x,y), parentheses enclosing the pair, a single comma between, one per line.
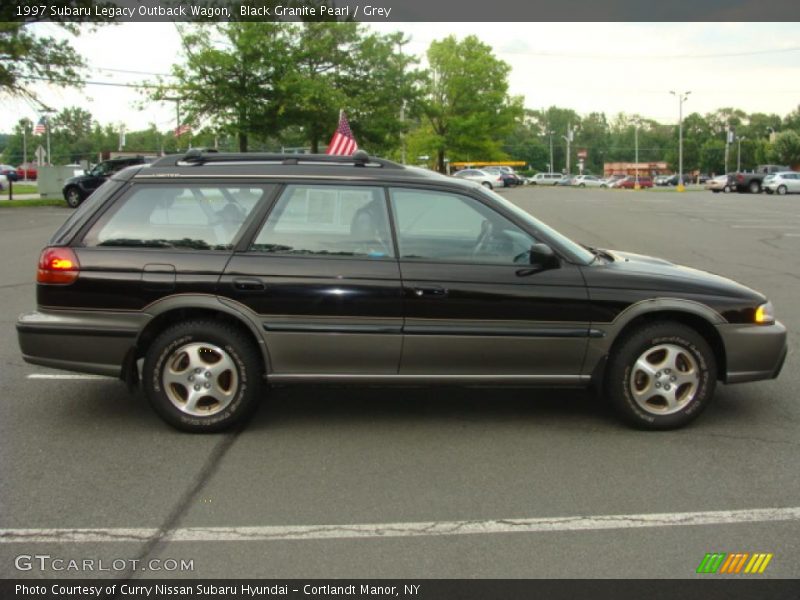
(765,314)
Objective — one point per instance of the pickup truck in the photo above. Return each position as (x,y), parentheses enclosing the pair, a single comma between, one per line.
(752,182)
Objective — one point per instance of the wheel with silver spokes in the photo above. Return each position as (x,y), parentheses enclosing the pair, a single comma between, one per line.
(200,379)
(203,376)
(664,379)
(661,376)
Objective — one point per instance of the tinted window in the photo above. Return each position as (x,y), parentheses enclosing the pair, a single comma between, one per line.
(328,220)
(198,217)
(449,227)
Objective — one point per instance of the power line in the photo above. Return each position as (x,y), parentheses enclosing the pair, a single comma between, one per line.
(105,83)
(654,56)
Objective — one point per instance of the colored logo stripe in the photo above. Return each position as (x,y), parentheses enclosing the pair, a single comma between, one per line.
(734,563)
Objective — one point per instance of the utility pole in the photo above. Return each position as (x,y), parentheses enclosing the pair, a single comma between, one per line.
(551,151)
(400,43)
(739,154)
(24,151)
(636,153)
(568,139)
(682,96)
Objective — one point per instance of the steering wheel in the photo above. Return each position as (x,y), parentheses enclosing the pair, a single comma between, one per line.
(487,230)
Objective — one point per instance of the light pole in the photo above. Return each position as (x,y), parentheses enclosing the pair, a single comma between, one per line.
(551,150)
(636,153)
(739,154)
(400,43)
(24,151)
(682,96)
(568,139)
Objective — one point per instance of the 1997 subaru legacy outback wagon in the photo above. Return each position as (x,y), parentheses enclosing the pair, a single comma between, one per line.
(208,275)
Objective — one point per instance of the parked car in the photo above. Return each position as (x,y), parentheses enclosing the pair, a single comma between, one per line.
(751,182)
(785,182)
(510,179)
(566,180)
(674,179)
(9,172)
(545,178)
(77,189)
(661,180)
(27,171)
(612,181)
(486,179)
(629,183)
(702,178)
(583,181)
(722,183)
(215,274)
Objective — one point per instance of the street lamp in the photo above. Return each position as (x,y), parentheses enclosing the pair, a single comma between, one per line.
(550,133)
(739,154)
(682,96)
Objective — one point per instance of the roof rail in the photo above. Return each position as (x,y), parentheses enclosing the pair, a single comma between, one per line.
(203,156)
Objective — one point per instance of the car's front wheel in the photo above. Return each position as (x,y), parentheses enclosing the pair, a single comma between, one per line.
(661,376)
(73,197)
(203,376)
(782,190)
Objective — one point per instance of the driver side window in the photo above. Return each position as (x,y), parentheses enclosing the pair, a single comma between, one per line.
(439,226)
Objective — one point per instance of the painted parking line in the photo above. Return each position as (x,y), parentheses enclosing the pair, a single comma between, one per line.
(393,530)
(65,376)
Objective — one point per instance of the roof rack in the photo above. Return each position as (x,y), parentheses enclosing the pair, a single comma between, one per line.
(203,156)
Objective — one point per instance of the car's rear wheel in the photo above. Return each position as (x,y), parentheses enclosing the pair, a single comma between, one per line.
(203,376)
(73,197)
(661,376)
(727,189)
(782,190)
(486,184)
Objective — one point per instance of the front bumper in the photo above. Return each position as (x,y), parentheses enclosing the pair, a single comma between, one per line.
(77,340)
(753,352)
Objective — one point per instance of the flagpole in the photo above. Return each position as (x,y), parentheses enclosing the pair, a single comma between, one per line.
(47,128)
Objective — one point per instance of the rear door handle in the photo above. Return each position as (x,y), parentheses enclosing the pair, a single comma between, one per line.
(249,285)
(437,291)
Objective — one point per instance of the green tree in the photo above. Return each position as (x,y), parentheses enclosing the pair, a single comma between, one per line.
(237,86)
(466,104)
(27,57)
(712,156)
(786,148)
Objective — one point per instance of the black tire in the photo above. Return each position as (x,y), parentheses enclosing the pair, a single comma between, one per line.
(727,189)
(583,185)
(622,375)
(782,190)
(73,196)
(244,377)
(715,191)
(486,184)
(754,187)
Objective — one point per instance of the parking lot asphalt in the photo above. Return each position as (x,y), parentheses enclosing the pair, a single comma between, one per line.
(86,454)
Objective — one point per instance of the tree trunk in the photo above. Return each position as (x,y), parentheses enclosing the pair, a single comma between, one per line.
(242,142)
(440,161)
(315,145)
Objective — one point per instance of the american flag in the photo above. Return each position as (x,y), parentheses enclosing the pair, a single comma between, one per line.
(185,128)
(342,143)
(41,127)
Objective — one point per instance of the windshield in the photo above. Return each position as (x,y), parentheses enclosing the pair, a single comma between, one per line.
(577,252)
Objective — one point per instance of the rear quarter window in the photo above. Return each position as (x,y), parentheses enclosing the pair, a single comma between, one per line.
(176,216)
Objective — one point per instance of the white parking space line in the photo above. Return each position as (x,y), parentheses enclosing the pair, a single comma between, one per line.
(764,226)
(65,376)
(392,530)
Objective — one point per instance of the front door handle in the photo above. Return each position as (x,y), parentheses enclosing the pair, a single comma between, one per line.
(249,285)
(437,291)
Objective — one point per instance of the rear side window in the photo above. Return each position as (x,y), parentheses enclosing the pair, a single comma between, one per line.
(328,220)
(174,216)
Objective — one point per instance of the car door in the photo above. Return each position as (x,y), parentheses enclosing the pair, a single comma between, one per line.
(475,306)
(322,278)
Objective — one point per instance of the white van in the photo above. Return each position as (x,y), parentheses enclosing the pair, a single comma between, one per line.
(546,178)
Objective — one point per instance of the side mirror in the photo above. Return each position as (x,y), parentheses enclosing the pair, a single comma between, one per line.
(542,256)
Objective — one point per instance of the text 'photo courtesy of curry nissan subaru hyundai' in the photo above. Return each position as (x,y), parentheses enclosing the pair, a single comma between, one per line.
(208,277)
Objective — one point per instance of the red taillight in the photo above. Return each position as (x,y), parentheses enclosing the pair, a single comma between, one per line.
(57,265)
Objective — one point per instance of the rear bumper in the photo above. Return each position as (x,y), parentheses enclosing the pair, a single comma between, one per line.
(76,340)
(753,352)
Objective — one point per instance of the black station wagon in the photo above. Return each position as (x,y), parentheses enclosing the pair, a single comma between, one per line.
(208,276)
